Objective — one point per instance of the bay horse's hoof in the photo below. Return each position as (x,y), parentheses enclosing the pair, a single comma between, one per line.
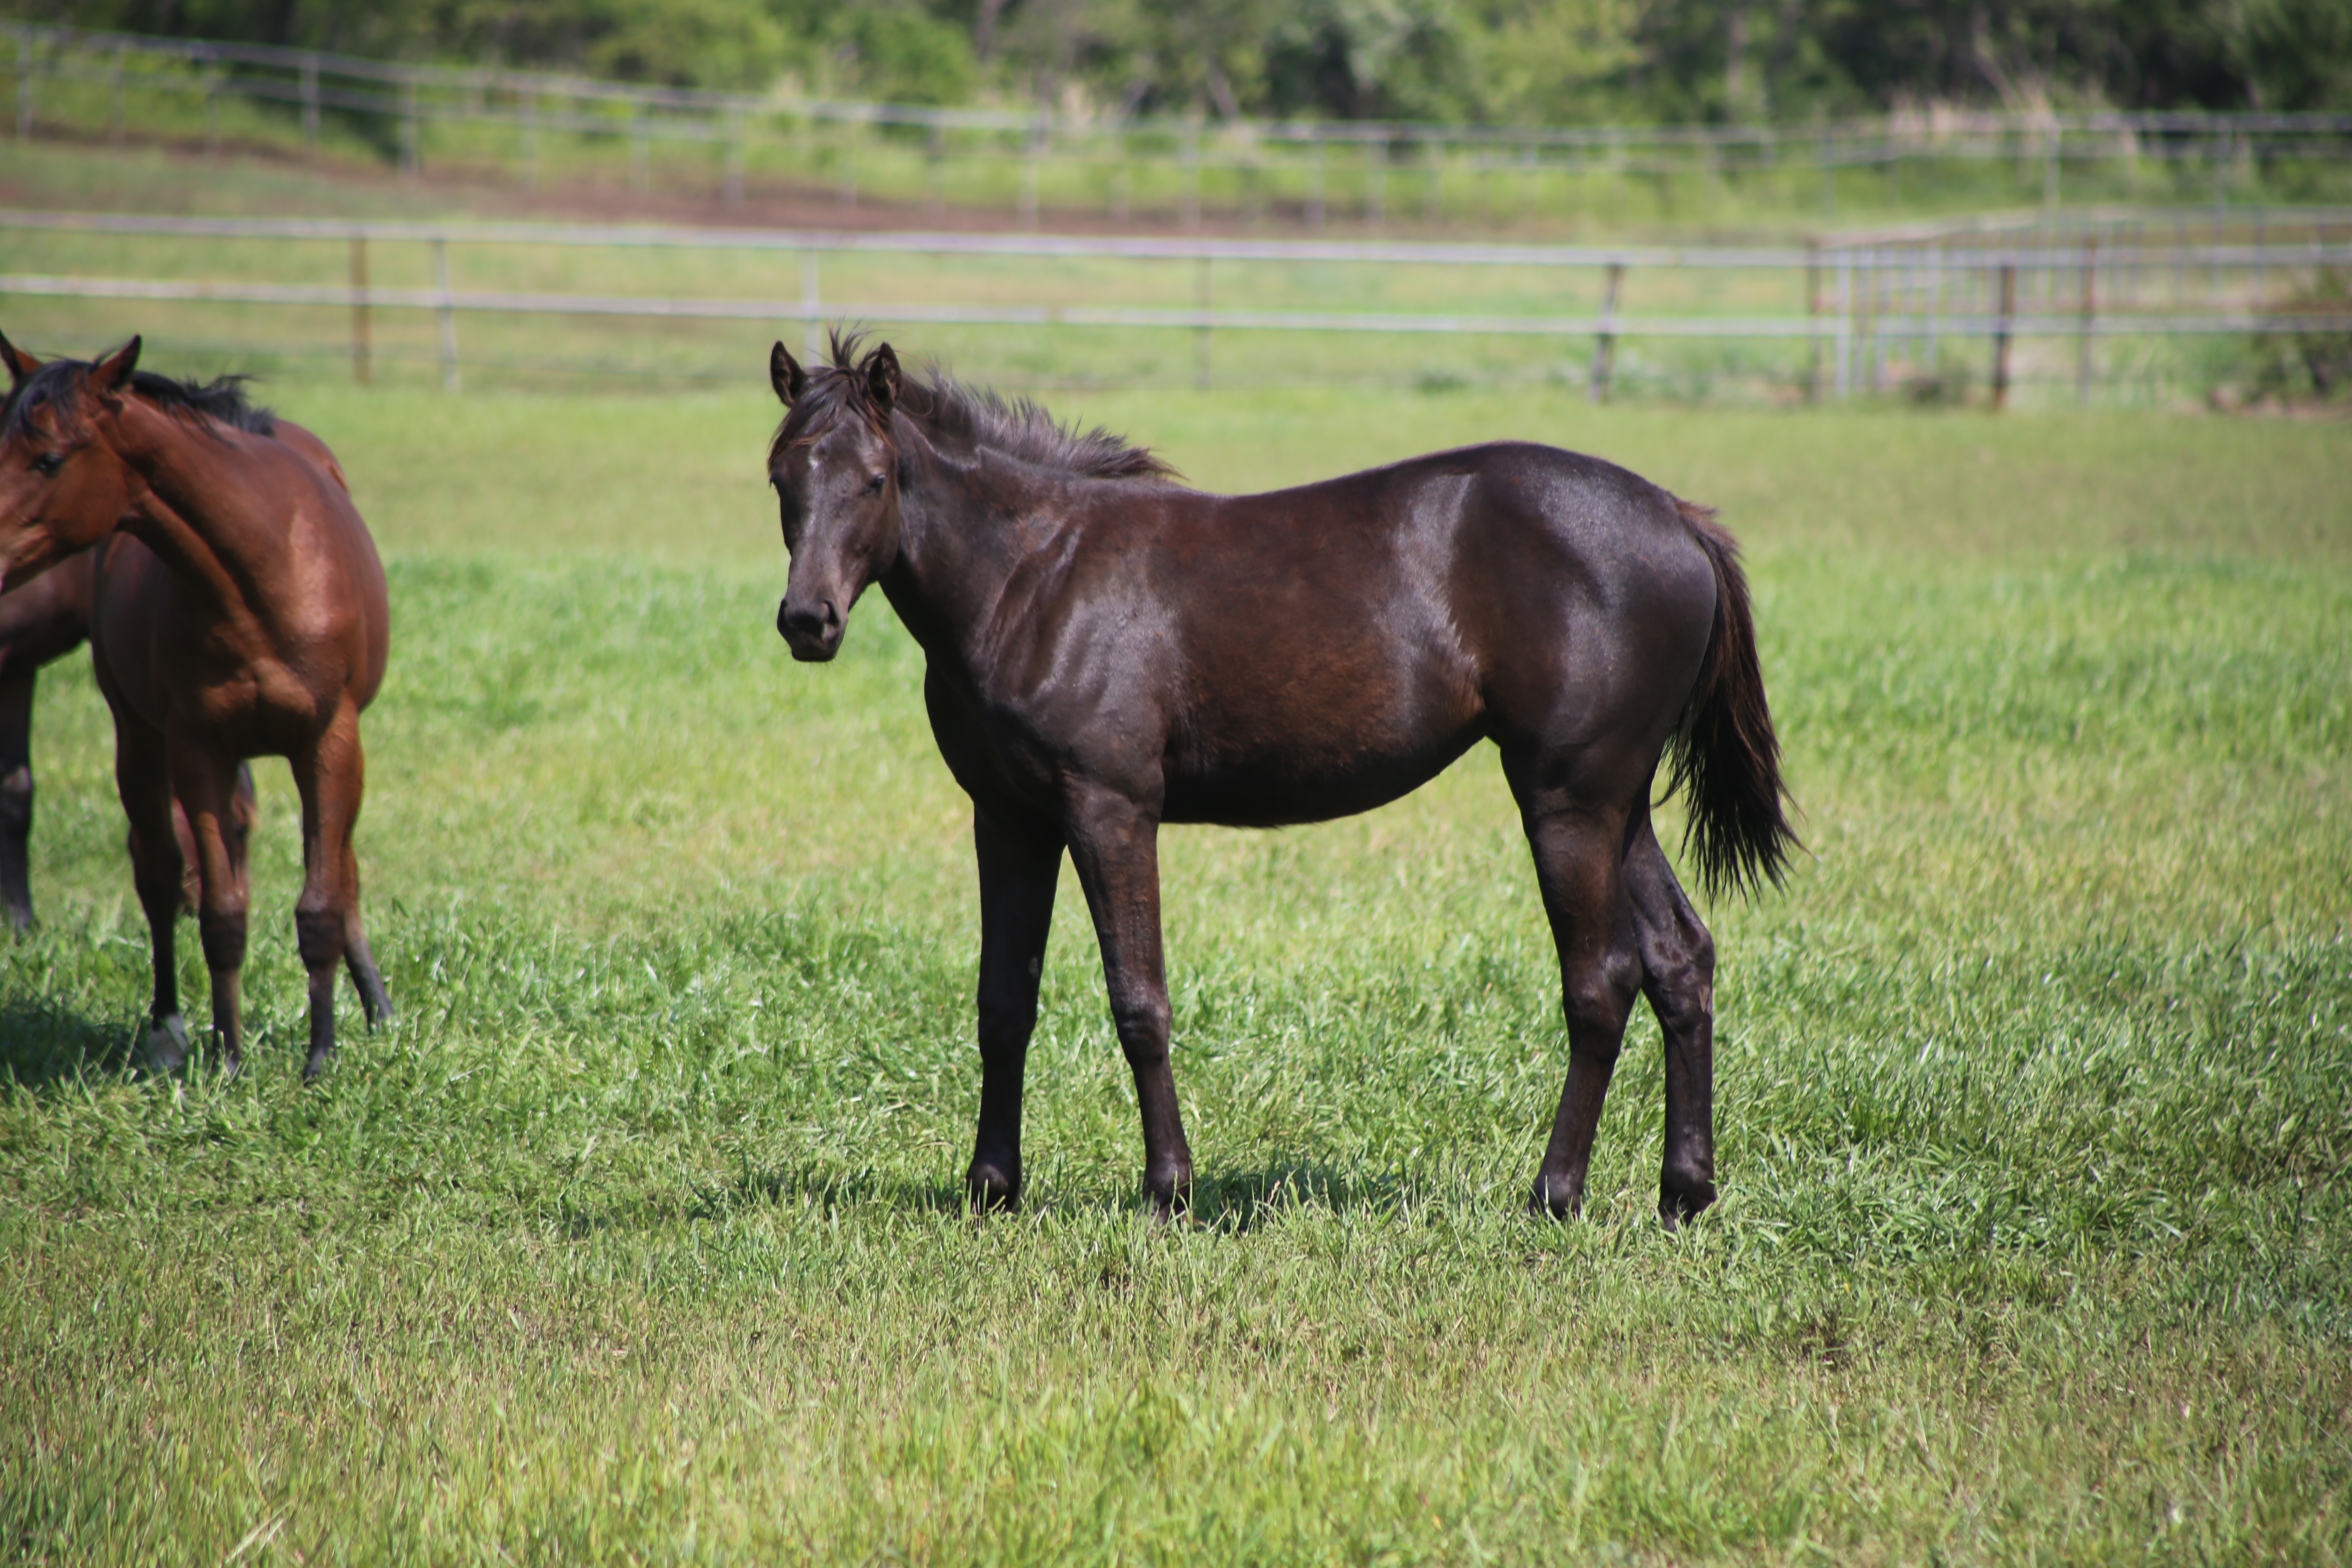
(316,1067)
(165,1050)
(988,1189)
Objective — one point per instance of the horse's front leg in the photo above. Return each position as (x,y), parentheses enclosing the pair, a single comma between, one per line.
(1115,846)
(1018,868)
(15,793)
(206,783)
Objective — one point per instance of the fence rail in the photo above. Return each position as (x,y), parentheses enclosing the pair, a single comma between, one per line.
(1864,302)
(1310,160)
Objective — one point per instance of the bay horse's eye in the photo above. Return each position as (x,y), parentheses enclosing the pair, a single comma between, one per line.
(48,463)
(874,485)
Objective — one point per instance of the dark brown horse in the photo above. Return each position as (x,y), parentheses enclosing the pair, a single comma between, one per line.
(46,619)
(1109,651)
(239,612)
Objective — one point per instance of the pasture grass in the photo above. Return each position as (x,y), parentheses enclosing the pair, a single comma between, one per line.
(636,1236)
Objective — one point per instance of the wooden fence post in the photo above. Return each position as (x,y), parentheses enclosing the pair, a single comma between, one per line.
(310,102)
(2089,321)
(2001,335)
(362,370)
(411,160)
(1814,310)
(1604,342)
(530,142)
(449,382)
(115,108)
(1201,297)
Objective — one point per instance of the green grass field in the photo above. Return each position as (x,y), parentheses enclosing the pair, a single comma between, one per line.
(636,1236)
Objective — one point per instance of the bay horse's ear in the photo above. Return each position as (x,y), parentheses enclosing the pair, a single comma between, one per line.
(21,365)
(882,379)
(785,375)
(112,374)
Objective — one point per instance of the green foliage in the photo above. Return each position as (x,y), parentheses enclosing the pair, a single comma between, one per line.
(1522,62)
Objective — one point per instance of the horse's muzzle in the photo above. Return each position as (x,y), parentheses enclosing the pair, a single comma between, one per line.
(812,631)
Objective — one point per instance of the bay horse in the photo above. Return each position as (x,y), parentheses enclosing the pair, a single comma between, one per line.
(41,622)
(1107,651)
(238,610)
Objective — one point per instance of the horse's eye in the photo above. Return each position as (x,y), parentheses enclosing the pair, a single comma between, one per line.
(48,463)
(874,485)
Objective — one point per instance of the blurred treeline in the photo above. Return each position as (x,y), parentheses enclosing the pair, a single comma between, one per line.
(1522,62)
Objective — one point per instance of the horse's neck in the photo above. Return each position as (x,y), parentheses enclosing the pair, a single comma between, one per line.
(963,532)
(195,511)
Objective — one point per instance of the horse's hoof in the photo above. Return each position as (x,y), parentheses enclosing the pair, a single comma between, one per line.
(316,1067)
(1679,1203)
(166,1047)
(988,1189)
(1555,1199)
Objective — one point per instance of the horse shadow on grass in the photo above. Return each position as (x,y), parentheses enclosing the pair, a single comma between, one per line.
(43,1046)
(1232,1202)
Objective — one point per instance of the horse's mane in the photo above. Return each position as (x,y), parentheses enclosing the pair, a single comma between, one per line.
(57,384)
(976,416)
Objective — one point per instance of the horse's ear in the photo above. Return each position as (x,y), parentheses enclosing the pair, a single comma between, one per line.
(785,375)
(112,374)
(882,378)
(21,365)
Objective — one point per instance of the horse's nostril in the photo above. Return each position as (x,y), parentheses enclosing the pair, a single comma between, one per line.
(807,621)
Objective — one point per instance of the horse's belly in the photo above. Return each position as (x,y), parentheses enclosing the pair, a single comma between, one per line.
(1282,786)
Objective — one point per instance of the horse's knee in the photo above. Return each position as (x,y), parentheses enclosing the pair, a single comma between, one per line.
(318,936)
(16,801)
(1144,1023)
(1006,1025)
(1597,998)
(221,931)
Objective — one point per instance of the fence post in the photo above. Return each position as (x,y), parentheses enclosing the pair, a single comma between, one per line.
(115,108)
(1813,309)
(530,141)
(1033,173)
(849,164)
(2001,326)
(1191,155)
(2089,321)
(448,316)
(1377,199)
(411,160)
(1201,297)
(1844,325)
(24,87)
(362,370)
(734,192)
(212,111)
(1604,342)
(2050,170)
(641,162)
(1315,186)
(310,102)
(811,338)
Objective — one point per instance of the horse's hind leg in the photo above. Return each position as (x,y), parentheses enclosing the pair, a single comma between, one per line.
(1579,854)
(1018,872)
(206,784)
(330,777)
(1678,977)
(17,794)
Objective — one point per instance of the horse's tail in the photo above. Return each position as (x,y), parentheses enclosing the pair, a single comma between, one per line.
(1725,751)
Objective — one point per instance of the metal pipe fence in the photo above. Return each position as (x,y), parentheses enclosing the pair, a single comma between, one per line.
(1868,314)
(1318,171)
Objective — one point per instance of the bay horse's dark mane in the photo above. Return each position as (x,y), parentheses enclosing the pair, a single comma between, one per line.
(57,384)
(976,416)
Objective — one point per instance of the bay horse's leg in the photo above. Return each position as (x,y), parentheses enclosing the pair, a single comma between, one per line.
(329,779)
(142,778)
(1114,847)
(17,794)
(366,978)
(1678,977)
(1018,872)
(1579,853)
(206,783)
